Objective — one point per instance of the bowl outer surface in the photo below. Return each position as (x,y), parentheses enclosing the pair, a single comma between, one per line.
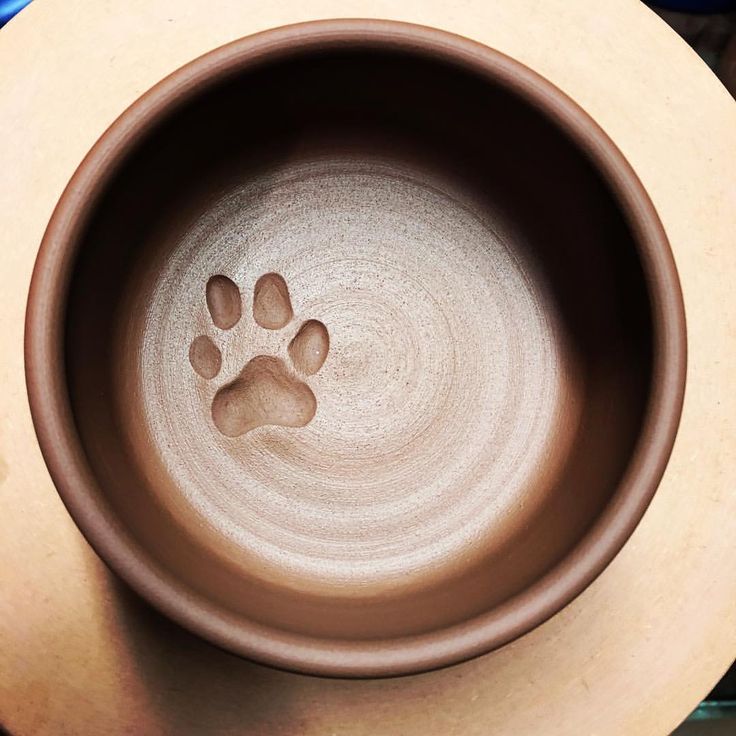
(619,626)
(467,593)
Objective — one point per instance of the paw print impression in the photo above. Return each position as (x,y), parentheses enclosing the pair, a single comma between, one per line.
(268,389)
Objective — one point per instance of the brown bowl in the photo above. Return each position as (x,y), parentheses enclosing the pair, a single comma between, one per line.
(356,347)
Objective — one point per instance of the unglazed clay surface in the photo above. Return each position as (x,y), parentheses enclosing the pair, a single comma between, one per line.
(371,372)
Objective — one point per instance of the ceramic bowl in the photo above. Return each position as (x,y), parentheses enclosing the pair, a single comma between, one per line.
(356,348)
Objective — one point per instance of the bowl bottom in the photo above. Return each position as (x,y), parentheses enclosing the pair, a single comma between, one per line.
(445,408)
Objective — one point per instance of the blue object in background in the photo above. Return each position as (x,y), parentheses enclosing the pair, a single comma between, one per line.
(8,8)
(695,6)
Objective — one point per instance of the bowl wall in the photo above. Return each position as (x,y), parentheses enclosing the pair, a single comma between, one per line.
(505,362)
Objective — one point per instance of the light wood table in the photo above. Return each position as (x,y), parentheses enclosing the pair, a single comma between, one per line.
(632,655)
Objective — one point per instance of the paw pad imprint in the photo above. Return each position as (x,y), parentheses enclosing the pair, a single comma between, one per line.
(267,390)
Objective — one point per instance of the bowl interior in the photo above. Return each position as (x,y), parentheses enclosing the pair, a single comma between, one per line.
(484,315)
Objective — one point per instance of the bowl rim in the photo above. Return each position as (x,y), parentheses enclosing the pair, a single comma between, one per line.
(64,453)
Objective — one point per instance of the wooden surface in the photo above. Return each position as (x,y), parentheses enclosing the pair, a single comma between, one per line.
(633,655)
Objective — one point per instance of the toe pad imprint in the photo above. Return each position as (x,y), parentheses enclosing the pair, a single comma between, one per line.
(205,357)
(309,348)
(271,302)
(223,301)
